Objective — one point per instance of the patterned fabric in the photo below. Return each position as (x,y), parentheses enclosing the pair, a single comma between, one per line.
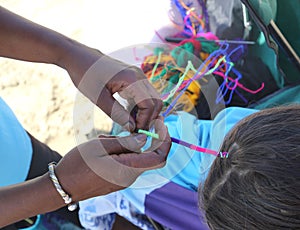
(99,213)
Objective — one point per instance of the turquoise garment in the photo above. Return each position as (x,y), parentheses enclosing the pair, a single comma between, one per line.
(15,148)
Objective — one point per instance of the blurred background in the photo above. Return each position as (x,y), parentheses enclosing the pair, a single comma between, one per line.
(42,95)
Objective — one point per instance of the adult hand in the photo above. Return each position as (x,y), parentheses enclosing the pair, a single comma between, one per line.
(109,164)
(96,75)
(95,168)
(99,77)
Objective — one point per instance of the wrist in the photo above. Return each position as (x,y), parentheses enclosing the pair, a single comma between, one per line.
(64,195)
(76,58)
(50,192)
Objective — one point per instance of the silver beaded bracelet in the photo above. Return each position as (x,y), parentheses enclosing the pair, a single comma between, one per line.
(67,198)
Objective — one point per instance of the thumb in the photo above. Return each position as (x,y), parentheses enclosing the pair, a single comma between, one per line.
(115,110)
(119,145)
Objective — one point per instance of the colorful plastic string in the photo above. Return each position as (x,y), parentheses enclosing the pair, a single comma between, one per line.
(149,134)
(202,70)
(172,71)
(186,144)
(180,81)
(199,149)
(173,74)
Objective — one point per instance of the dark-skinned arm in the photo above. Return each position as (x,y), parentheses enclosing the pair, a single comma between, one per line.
(94,168)
(96,75)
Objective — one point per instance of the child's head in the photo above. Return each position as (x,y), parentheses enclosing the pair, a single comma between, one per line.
(258,185)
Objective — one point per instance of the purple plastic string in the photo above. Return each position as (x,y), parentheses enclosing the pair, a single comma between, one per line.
(199,148)
(225,86)
(182,12)
(214,54)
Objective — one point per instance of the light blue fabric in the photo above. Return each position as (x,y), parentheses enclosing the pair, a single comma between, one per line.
(15,148)
(187,167)
(184,166)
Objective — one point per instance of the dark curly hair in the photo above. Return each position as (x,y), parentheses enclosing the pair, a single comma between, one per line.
(258,185)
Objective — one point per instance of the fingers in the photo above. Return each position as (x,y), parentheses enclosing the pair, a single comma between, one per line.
(163,144)
(146,100)
(93,85)
(141,162)
(124,149)
(115,159)
(133,143)
(119,145)
(145,117)
(150,159)
(99,156)
(155,156)
(115,110)
(158,104)
(106,136)
(108,76)
(164,136)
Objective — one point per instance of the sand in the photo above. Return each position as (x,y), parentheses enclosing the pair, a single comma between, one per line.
(42,95)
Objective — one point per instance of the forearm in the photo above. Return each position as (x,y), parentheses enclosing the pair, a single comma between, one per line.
(94,168)
(25,40)
(28,199)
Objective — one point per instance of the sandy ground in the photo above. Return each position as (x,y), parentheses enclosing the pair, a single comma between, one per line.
(42,96)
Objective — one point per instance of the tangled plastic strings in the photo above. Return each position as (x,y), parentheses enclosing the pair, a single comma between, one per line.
(178,73)
(174,75)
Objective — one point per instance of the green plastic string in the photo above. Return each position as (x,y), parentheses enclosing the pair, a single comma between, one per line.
(149,134)
(181,79)
(216,66)
(156,64)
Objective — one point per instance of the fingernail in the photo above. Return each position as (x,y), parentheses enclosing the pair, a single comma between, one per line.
(140,138)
